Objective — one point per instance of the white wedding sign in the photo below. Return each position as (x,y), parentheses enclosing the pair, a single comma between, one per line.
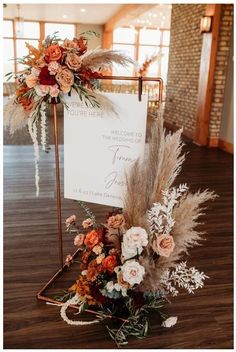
(99,147)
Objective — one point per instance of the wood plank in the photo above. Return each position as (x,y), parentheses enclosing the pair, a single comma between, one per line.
(30,259)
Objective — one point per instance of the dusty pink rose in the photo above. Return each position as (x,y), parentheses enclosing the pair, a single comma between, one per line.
(79,239)
(54,67)
(73,61)
(65,78)
(54,91)
(116,221)
(31,80)
(70,220)
(163,245)
(87,223)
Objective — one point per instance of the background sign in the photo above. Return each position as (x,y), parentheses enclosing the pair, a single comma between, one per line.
(99,147)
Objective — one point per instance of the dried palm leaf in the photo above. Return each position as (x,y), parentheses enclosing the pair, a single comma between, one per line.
(103,59)
(155,172)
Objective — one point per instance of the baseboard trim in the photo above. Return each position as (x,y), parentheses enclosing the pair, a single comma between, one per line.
(226,146)
(213,142)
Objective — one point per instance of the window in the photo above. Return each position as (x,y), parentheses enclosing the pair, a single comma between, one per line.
(14,42)
(140,44)
(63,30)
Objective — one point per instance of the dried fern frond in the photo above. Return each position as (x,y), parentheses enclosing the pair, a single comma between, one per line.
(14,115)
(152,174)
(103,59)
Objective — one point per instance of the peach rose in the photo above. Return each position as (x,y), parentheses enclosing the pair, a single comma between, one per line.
(53,53)
(163,245)
(116,221)
(79,239)
(54,67)
(98,248)
(70,44)
(87,223)
(31,80)
(70,220)
(73,61)
(65,78)
(92,238)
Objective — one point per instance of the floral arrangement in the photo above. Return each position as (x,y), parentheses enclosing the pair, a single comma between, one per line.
(145,66)
(133,262)
(57,67)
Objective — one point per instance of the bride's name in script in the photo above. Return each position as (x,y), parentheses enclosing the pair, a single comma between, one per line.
(118,152)
(112,179)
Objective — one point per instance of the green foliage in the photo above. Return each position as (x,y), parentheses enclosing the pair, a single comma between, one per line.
(88,212)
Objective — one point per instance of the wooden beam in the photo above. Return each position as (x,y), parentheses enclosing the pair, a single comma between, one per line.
(129,12)
(206,76)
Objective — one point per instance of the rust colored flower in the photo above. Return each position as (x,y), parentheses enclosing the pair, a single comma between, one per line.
(53,53)
(22,90)
(85,257)
(45,78)
(116,221)
(92,238)
(28,104)
(82,288)
(109,263)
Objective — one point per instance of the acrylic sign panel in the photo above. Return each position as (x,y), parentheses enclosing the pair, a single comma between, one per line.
(99,147)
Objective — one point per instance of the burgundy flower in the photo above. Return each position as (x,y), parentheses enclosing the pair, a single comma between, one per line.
(45,77)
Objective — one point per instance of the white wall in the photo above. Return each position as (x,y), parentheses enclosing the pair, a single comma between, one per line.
(226,130)
(94,42)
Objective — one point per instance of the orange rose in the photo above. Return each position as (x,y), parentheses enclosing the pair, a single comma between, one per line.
(53,53)
(92,238)
(27,104)
(109,263)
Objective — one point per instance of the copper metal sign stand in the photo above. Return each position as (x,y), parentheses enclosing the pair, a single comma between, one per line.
(63,267)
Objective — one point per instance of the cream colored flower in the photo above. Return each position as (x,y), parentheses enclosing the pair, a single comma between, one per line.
(70,220)
(73,61)
(79,239)
(41,90)
(97,249)
(133,272)
(31,80)
(163,245)
(171,321)
(65,78)
(87,223)
(100,258)
(133,242)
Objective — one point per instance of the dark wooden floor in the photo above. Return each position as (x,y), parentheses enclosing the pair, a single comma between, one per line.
(204,319)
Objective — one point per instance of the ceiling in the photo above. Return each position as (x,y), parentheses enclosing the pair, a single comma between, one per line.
(158,16)
(92,13)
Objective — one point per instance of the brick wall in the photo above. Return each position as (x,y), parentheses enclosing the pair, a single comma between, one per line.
(222,60)
(184,63)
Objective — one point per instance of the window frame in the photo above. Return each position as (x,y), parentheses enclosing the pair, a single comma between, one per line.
(137,44)
(41,34)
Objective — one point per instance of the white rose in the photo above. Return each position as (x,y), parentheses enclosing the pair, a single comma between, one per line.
(136,237)
(133,272)
(130,252)
(171,321)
